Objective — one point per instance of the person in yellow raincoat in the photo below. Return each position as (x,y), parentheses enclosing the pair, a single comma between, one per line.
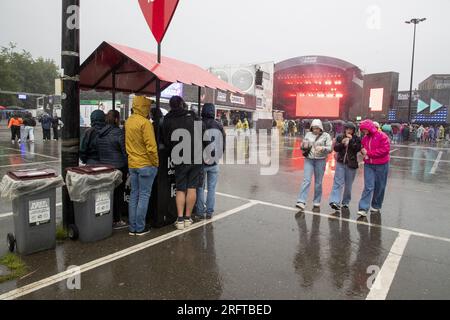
(143,162)
(441,133)
(245,125)
(239,125)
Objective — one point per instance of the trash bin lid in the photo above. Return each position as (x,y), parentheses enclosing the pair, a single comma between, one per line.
(32,174)
(92,170)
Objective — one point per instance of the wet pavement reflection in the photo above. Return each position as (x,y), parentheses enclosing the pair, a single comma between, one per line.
(264,252)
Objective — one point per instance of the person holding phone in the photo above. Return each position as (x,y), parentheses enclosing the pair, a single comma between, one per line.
(347,147)
(316,147)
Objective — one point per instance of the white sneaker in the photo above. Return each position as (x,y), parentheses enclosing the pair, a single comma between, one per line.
(316,205)
(179,225)
(373,210)
(301,205)
(362,213)
(13,142)
(188,223)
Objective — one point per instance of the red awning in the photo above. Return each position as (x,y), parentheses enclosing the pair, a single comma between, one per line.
(136,71)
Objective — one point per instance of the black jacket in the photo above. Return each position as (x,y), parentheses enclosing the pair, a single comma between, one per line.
(212,128)
(111,147)
(89,148)
(183,119)
(348,156)
(55,122)
(29,122)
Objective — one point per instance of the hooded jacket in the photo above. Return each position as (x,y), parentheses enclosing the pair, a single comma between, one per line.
(376,143)
(211,128)
(88,148)
(15,122)
(46,122)
(111,147)
(140,136)
(348,155)
(324,141)
(180,118)
(28,121)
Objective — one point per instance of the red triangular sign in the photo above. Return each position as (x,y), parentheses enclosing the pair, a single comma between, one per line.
(158,14)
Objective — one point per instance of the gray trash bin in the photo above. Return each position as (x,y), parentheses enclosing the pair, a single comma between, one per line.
(34,213)
(94,215)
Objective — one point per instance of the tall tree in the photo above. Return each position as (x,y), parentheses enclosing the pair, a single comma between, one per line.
(19,71)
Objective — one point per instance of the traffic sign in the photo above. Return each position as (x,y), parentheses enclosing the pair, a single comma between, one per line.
(158,14)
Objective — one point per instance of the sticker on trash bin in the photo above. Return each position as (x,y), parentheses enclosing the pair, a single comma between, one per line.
(39,212)
(102,204)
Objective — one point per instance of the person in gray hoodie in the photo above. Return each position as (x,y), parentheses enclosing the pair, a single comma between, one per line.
(316,147)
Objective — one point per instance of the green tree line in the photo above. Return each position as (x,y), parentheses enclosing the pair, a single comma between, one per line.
(20,72)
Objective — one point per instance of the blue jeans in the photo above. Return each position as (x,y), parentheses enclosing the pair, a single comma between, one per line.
(314,167)
(141,189)
(211,175)
(375,180)
(343,179)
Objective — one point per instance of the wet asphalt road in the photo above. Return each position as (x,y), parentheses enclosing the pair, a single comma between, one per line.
(265,250)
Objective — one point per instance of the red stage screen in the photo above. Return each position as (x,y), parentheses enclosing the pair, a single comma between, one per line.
(319,107)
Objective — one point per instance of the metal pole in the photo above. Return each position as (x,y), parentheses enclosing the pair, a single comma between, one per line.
(70,100)
(412,74)
(199,102)
(158,82)
(114,90)
(158,101)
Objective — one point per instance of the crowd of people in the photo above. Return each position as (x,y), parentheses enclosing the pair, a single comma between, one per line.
(374,146)
(398,133)
(133,150)
(132,146)
(22,126)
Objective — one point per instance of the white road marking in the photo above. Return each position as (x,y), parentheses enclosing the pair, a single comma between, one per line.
(415,146)
(385,277)
(292,209)
(20,292)
(419,159)
(436,163)
(28,164)
(9,155)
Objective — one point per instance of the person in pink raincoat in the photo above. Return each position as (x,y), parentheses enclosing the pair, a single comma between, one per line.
(376,151)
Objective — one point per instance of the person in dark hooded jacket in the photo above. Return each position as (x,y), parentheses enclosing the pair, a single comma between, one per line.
(111,143)
(112,151)
(178,134)
(89,149)
(214,148)
(347,147)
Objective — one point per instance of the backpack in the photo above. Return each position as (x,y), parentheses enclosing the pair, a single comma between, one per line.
(306,152)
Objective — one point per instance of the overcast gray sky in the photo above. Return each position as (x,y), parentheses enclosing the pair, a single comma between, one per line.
(216,32)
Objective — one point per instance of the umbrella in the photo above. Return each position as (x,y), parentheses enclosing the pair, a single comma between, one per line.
(15,108)
(2,108)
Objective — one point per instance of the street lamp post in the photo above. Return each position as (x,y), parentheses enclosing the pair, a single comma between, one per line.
(70,98)
(414,21)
